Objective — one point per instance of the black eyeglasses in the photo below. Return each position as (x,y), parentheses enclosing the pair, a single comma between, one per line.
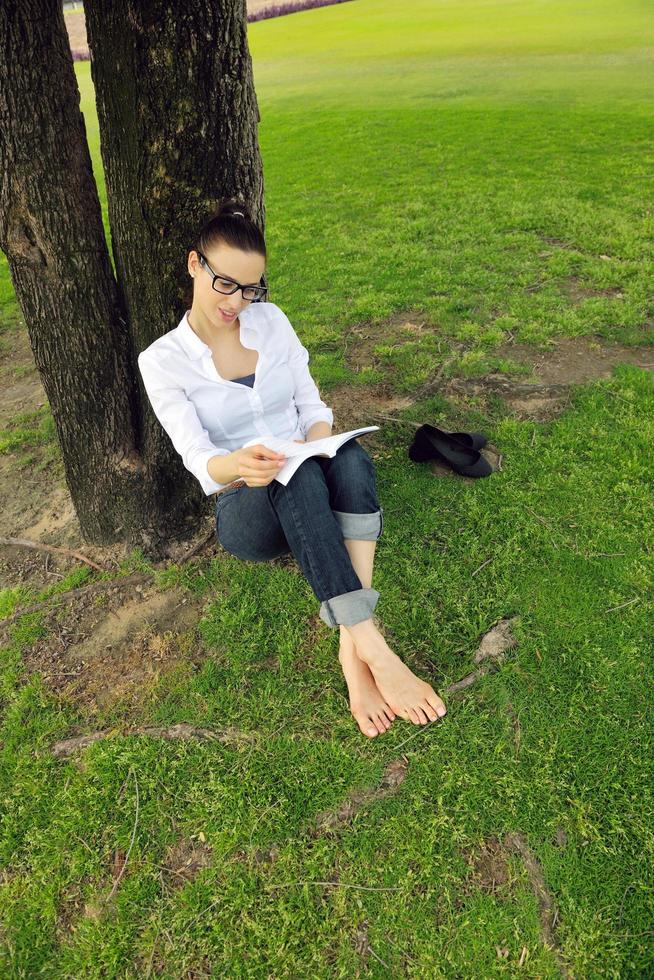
(223,284)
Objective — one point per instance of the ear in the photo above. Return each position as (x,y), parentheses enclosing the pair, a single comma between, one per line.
(193,263)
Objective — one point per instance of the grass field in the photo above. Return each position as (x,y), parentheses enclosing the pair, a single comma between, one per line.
(486,167)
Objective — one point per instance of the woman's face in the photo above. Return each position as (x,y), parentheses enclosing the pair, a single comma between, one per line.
(246,268)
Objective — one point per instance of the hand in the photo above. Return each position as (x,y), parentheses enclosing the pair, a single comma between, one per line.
(258,465)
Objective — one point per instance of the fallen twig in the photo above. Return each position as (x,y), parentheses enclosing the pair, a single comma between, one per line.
(39,546)
(391,418)
(131,843)
(429,386)
(378,958)
(337,884)
(487,562)
(623,604)
(493,647)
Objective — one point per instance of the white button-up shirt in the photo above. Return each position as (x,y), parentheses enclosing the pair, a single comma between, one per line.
(206,415)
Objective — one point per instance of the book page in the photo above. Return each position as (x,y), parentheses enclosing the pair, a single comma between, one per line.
(297,452)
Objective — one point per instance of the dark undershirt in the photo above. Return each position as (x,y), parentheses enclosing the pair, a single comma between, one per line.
(247,379)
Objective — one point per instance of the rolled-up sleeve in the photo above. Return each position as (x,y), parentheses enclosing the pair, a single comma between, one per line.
(311,408)
(179,418)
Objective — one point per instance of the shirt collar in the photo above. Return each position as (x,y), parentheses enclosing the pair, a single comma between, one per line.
(194,347)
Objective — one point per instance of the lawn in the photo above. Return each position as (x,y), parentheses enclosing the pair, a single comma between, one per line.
(484,168)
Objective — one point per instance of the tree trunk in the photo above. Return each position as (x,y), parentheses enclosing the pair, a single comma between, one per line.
(178,121)
(51,231)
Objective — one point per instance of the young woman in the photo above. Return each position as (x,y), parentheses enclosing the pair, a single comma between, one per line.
(234,369)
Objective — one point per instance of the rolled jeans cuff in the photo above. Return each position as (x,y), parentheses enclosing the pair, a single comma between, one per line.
(361,527)
(349,608)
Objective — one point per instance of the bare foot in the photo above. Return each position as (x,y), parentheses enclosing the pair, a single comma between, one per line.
(406,695)
(368,707)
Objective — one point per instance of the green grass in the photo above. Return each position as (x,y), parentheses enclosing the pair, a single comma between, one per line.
(437,159)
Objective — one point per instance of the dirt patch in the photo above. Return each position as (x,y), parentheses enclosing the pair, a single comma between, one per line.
(554,243)
(490,872)
(362,339)
(21,395)
(489,869)
(185,860)
(100,649)
(352,405)
(70,908)
(34,506)
(576,360)
(27,496)
(577,291)
(568,361)
(548,914)
(496,642)
(540,397)
(332,821)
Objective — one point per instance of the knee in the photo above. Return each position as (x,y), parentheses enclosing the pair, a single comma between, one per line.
(354,465)
(263,553)
(309,474)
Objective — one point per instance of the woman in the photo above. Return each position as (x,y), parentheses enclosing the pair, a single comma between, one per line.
(234,369)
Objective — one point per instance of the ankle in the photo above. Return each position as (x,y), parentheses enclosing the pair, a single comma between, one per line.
(361,632)
(369,643)
(346,643)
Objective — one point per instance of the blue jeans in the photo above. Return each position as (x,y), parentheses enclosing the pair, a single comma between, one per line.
(325,501)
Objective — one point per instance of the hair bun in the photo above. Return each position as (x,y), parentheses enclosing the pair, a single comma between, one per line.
(232,208)
(230,224)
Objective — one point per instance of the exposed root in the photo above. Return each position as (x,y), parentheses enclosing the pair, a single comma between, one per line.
(183,731)
(116,583)
(516,843)
(393,776)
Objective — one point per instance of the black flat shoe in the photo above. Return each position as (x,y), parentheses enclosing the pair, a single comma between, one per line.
(431,442)
(423,448)
(473,440)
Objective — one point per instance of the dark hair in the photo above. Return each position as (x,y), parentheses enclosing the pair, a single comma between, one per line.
(225,227)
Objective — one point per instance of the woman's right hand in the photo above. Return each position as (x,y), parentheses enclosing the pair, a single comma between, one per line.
(257,465)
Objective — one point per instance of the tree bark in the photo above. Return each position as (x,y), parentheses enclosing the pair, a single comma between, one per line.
(51,231)
(178,123)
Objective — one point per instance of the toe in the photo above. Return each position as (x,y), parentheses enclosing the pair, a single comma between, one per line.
(366,724)
(437,705)
(383,721)
(431,712)
(421,714)
(414,716)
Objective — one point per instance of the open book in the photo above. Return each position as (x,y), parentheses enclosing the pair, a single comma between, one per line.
(297,452)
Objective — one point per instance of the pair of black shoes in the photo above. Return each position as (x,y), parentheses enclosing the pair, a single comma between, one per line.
(459,450)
